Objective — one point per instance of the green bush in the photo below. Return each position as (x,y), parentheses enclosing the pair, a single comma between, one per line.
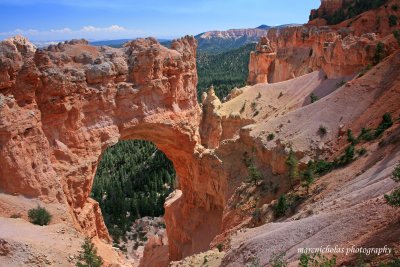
(322,130)
(394,198)
(308,175)
(392,263)
(220,247)
(347,157)
(254,174)
(281,206)
(385,124)
(396,35)
(292,164)
(323,167)
(39,216)
(362,151)
(396,173)
(379,53)
(350,137)
(270,137)
(313,98)
(278,260)
(88,256)
(392,20)
(366,134)
(316,260)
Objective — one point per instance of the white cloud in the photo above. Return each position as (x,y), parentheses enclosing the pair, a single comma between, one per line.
(84,32)
(64,30)
(112,28)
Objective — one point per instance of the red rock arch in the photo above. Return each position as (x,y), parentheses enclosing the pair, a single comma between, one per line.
(61,107)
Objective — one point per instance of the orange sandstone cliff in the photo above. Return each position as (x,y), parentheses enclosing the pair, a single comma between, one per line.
(61,107)
(339,50)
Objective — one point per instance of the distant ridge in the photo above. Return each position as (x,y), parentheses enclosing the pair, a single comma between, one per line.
(221,41)
(213,41)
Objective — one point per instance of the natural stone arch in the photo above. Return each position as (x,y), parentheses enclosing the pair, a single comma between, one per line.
(72,101)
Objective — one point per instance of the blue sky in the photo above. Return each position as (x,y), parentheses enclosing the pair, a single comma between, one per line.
(45,20)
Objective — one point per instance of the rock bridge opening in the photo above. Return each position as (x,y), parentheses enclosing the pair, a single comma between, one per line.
(132,181)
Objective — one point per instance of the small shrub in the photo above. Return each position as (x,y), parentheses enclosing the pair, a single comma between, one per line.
(350,137)
(395,7)
(396,173)
(15,216)
(280,95)
(220,247)
(39,216)
(88,257)
(392,20)
(317,260)
(278,260)
(292,164)
(323,167)
(254,174)
(386,123)
(393,263)
(281,206)
(379,53)
(256,113)
(259,95)
(348,156)
(394,198)
(362,151)
(322,130)
(270,137)
(308,176)
(366,134)
(313,98)
(396,35)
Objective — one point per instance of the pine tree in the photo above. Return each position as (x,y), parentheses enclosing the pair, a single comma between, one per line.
(254,174)
(308,176)
(292,164)
(89,255)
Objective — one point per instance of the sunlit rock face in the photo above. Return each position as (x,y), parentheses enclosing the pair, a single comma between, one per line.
(62,106)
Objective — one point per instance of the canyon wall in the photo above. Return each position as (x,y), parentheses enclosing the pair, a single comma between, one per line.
(62,106)
(340,50)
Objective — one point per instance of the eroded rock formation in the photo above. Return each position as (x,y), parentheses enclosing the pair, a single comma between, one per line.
(339,50)
(61,107)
